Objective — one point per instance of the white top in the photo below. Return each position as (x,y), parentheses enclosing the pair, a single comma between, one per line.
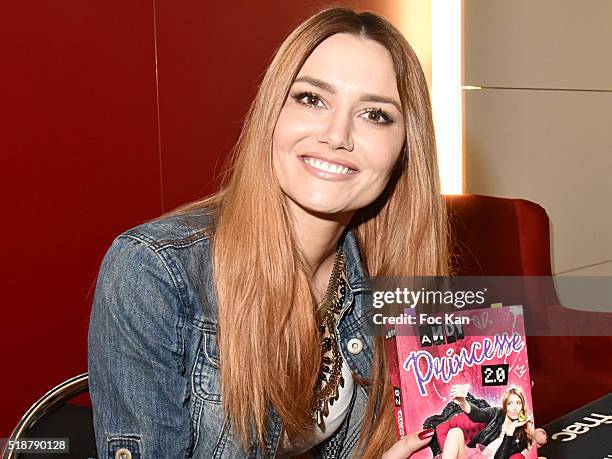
(492,447)
(337,413)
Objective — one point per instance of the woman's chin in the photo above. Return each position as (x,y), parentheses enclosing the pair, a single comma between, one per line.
(330,212)
(322,208)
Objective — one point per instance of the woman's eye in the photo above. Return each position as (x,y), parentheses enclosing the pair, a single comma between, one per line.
(377,116)
(308,98)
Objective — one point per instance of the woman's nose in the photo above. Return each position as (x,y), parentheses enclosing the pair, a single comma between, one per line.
(337,131)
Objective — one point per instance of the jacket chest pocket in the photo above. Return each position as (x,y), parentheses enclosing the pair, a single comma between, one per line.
(206,409)
(206,375)
(212,436)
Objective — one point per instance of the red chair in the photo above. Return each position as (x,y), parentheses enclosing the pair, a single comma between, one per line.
(470,430)
(510,237)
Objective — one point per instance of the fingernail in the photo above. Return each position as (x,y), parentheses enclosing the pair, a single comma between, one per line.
(426,434)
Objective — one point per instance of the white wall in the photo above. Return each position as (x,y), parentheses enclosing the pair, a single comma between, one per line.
(541,128)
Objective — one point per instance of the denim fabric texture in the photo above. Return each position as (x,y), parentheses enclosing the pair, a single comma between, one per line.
(153,358)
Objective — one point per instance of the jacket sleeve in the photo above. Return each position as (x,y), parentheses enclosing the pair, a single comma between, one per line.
(481,414)
(135,356)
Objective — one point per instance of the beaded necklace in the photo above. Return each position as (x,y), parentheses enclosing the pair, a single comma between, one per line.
(330,370)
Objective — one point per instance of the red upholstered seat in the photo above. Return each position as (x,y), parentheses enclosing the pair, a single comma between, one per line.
(510,237)
(499,236)
(469,428)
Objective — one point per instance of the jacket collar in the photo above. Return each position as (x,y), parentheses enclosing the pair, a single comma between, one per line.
(357,277)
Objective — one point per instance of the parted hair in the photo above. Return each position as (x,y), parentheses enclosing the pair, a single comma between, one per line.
(268,338)
(528,427)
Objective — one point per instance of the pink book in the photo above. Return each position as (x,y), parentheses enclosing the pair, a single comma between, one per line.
(482,352)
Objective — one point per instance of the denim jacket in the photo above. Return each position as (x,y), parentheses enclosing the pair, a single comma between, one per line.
(153,358)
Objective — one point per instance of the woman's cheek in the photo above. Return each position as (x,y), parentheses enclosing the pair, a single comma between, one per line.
(383,159)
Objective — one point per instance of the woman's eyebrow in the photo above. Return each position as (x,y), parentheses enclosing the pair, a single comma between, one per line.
(318,83)
(324,85)
(380,99)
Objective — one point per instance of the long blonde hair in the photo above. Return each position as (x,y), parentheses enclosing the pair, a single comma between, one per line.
(528,427)
(268,338)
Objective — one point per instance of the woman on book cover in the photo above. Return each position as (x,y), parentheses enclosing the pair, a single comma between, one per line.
(508,429)
(235,325)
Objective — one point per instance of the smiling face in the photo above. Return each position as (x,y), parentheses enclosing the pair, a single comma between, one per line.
(514,406)
(341,129)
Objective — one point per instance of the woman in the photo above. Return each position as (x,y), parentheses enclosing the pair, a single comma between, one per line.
(508,429)
(234,327)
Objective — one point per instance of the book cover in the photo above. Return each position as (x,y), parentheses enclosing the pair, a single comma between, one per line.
(481,354)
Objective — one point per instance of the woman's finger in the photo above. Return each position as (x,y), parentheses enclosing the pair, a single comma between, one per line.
(405,447)
(540,436)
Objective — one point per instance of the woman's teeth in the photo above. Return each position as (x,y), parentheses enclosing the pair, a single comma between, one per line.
(328,167)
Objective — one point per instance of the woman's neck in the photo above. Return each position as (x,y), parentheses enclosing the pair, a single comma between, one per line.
(317,238)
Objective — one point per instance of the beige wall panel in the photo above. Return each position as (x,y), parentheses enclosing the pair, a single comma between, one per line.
(554,148)
(600,269)
(538,44)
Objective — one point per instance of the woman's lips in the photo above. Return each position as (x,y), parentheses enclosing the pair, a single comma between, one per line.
(326,169)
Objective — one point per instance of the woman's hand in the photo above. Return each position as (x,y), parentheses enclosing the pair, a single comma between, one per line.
(540,437)
(408,445)
(512,427)
(458,393)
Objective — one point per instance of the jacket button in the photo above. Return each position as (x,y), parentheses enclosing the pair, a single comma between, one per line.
(354,346)
(123,453)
